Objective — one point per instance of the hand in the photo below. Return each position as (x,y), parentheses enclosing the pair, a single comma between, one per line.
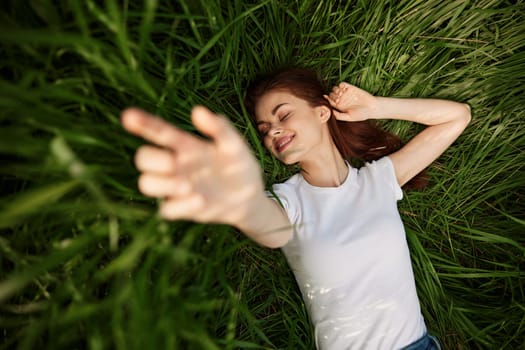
(199,180)
(351,103)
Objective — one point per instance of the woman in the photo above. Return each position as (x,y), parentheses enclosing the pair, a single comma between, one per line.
(338,226)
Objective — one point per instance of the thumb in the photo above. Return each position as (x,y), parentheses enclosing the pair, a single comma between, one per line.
(213,125)
(340,115)
(332,102)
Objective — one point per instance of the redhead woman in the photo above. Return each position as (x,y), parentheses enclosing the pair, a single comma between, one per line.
(337,225)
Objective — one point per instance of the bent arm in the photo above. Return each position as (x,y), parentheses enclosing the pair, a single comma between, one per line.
(446,120)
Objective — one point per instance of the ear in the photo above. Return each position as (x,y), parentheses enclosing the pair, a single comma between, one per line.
(324,113)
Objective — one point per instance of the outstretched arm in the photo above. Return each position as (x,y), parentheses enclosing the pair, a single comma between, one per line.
(206,181)
(446,120)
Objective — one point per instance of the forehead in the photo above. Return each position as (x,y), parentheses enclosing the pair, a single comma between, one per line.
(269,101)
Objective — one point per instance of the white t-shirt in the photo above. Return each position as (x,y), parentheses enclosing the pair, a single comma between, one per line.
(350,258)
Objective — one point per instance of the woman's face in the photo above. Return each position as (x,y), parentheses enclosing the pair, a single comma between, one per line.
(290,127)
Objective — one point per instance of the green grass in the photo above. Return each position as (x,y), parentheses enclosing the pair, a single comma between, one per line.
(86,263)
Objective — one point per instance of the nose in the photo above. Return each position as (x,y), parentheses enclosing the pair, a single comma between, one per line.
(276,130)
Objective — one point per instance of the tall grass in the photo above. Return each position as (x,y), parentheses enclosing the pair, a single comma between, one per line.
(85,262)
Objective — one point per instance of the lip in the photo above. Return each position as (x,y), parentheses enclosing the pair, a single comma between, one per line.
(282,143)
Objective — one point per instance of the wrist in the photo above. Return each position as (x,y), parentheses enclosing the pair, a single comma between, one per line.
(379,108)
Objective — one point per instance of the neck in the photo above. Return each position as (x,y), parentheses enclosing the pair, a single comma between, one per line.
(327,169)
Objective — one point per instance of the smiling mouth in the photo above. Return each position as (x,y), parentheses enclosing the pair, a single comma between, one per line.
(283,143)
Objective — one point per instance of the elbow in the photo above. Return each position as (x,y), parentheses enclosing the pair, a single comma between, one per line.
(277,239)
(466,115)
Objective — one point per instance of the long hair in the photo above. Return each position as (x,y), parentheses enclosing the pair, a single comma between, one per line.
(363,141)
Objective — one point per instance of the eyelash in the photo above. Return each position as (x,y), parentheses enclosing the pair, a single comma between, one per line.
(284,117)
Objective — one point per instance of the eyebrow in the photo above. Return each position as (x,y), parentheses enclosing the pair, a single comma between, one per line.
(274,110)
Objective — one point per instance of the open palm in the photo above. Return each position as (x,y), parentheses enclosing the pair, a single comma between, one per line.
(200,180)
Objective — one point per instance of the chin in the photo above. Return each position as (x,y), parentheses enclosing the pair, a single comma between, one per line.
(288,160)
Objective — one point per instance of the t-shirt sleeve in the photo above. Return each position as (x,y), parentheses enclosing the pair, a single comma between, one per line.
(284,194)
(382,172)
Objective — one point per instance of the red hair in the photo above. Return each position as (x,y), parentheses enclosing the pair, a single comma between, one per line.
(363,141)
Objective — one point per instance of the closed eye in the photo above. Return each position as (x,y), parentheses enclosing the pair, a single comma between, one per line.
(284,117)
(263,130)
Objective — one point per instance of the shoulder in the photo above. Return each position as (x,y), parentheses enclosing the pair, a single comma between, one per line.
(285,194)
(381,173)
(380,165)
(287,187)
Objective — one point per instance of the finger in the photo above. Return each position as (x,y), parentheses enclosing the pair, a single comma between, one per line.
(186,208)
(163,186)
(153,129)
(217,127)
(155,160)
(329,99)
(334,97)
(340,115)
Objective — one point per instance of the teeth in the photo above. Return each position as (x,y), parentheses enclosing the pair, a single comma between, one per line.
(283,142)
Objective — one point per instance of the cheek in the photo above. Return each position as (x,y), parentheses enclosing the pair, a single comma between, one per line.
(267,143)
